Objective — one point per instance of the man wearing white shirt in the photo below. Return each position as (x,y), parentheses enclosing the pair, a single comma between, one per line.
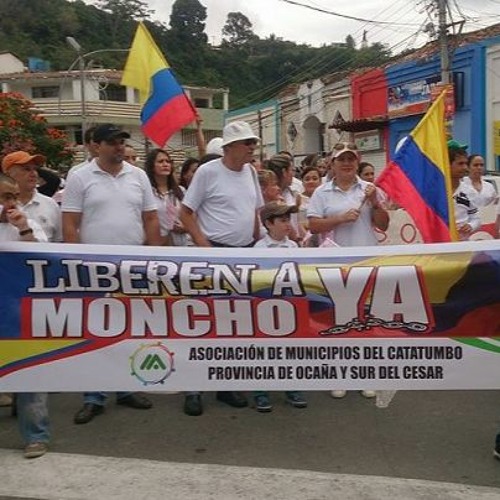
(109,201)
(220,209)
(32,409)
(22,167)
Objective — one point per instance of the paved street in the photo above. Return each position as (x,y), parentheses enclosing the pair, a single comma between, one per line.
(443,437)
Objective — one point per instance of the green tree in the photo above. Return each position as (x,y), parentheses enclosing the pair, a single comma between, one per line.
(371,56)
(238,30)
(123,12)
(350,42)
(22,128)
(187,22)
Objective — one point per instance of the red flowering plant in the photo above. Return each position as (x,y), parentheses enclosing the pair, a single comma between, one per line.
(22,128)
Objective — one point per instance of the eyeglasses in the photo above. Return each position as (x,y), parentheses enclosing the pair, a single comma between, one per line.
(345,145)
(250,142)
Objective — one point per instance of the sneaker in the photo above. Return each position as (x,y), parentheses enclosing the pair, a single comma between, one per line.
(262,403)
(87,413)
(296,399)
(338,394)
(368,394)
(35,450)
(192,405)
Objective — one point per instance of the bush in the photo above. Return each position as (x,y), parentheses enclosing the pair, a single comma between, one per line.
(22,128)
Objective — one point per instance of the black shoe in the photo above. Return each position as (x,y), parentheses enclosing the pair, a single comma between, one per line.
(496,451)
(87,413)
(232,398)
(135,400)
(192,405)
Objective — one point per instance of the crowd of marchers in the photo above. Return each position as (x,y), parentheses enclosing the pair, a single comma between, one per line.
(227,197)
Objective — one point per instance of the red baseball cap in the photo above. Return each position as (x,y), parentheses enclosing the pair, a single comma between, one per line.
(20,158)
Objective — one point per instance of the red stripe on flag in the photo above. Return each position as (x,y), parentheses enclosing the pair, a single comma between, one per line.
(432,228)
(171,117)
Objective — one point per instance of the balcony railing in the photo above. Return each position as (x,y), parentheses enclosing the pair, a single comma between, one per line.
(68,111)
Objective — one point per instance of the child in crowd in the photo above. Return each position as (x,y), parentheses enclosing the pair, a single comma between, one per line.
(275,216)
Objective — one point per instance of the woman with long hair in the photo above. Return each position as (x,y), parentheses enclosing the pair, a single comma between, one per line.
(482,193)
(159,168)
(188,169)
(311,179)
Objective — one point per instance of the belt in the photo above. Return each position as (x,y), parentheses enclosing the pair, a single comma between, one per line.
(224,245)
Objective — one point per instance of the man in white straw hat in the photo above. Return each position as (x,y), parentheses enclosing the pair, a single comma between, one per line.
(221,209)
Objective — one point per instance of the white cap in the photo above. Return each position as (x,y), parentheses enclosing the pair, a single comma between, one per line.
(344,147)
(214,147)
(237,131)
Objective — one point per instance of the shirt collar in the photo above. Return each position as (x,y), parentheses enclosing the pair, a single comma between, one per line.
(359,183)
(126,168)
(271,242)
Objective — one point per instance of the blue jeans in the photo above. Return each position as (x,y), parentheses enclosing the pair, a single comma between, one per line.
(33,417)
(99,398)
(265,393)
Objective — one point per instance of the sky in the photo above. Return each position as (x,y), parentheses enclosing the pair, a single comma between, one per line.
(403,29)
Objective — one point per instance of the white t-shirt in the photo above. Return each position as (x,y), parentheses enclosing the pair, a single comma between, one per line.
(111,206)
(78,166)
(328,199)
(466,212)
(46,212)
(297,185)
(8,232)
(486,196)
(225,202)
(168,206)
(290,198)
(269,242)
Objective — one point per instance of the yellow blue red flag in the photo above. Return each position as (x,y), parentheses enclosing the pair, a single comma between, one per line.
(418,178)
(166,108)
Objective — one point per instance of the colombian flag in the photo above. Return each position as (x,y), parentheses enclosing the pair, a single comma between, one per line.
(418,178)
(166,107)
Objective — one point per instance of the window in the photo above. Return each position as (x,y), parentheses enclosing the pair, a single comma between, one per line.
(189,136)
(201,103)
(113,93)
(45,92)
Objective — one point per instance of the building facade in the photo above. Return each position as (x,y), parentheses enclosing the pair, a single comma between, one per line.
(74,100)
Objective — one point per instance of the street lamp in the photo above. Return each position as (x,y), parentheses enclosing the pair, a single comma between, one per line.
(81,65)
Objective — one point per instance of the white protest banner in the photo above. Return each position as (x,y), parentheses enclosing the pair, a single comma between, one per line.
(79,317)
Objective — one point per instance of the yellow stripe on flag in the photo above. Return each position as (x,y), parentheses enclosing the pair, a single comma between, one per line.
(144,60)
(15,350)
(430,137)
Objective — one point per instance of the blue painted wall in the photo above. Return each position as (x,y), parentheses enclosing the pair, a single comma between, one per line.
(469,120)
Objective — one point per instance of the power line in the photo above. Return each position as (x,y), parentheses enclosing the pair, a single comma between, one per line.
(291,116)
(345,16)
(320,61)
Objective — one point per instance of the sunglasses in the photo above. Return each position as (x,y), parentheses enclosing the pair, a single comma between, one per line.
(250,142)
(345,145)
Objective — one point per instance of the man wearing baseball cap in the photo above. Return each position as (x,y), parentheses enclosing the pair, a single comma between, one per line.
(21,158)
(221,209)
(109,201)
(23,168)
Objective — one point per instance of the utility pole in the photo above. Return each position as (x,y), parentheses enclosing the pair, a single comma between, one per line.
(259,116)
(443,42)
(81,66)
